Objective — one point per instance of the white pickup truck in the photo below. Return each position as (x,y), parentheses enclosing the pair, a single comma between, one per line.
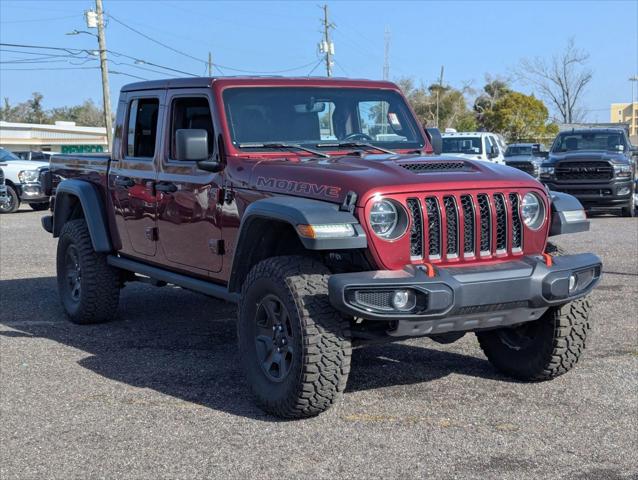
(474,146)
(23,179)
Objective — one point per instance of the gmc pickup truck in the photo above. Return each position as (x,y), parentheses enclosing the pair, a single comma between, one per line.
(323,209)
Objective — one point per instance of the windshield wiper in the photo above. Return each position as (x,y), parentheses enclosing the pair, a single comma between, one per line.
(293,146)
(356,145)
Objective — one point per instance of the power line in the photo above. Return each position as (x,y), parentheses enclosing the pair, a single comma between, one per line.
(154,40)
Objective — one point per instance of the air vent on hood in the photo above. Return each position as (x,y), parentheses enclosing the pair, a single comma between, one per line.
(433,166)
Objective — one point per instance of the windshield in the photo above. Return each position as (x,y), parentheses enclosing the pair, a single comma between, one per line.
(6,155)
(518,150)
(315,117)
(469,145)
(570,142)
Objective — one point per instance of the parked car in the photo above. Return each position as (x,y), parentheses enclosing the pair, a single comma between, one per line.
(597,166)
(473,146)
(527,157)
(4,198)
(33,155)
(325,240)
(23,180)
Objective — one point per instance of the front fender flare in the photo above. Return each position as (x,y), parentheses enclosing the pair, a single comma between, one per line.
(563,202)
(293,211)
(67,194)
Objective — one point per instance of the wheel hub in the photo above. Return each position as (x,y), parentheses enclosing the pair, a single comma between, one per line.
(273,338)
(73,273)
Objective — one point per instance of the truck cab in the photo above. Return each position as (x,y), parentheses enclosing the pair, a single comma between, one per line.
(482,146)
(326,212)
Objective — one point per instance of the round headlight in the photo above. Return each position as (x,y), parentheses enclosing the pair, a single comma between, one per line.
(383,218)
(533,211)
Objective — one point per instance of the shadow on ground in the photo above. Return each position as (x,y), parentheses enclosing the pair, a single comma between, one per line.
(183,345)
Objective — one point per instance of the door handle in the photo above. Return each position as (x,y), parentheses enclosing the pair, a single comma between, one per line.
(125,182)
(166,187)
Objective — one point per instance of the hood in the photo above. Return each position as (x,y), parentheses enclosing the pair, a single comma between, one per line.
(585,155)
(24,164)
(332,178)
(524,158)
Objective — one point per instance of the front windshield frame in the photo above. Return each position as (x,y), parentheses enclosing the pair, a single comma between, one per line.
(350,99)
(585,144)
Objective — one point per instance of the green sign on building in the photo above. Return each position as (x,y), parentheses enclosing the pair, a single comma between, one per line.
(82,149)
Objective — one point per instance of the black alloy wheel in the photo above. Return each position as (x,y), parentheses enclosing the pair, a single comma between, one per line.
(274,338)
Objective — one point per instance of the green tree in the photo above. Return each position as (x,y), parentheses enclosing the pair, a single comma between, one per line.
(520,117)
(32,111)
(452,106)
(493,91)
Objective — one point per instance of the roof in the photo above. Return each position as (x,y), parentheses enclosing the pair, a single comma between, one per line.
(202,82)
(594,129)
(466,134)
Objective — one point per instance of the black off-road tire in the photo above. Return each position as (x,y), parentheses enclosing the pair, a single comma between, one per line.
(320,337)
(542,349)
(14,201)
(98,292)
(38,207)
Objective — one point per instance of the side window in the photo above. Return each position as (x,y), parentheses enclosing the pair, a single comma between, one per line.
(142,127)
(191,112)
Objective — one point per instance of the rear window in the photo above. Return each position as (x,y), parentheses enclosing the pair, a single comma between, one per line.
(471,145)
(518,150)
(142,127)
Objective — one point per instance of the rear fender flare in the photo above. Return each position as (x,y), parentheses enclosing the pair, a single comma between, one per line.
(68,194)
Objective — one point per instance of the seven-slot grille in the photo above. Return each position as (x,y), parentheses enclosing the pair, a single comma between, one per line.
(453,226)
(584,171)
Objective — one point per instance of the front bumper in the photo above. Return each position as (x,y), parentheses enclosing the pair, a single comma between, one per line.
(465,298)
(32,193)
(602,194)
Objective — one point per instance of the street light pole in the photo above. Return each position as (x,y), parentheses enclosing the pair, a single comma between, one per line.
(633,125)
(106,95)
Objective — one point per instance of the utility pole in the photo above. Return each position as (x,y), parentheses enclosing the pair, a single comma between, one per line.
(210,64)
(106,95)
(438,94)
(326,46)
(386,54)
(633,124)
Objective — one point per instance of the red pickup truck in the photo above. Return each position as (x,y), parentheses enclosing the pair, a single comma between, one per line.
(322,208)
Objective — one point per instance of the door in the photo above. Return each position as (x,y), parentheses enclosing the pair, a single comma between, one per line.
(188,198)
(132,176)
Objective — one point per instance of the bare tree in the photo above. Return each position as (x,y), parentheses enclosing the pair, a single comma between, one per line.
(561,81)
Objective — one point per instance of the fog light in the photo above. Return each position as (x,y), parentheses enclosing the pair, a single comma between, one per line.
(572,282)
(403,299)
(624,191)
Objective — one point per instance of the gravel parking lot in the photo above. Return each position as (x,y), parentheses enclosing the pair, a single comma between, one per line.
(158,393)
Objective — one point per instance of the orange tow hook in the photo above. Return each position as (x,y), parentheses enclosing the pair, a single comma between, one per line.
(548,259)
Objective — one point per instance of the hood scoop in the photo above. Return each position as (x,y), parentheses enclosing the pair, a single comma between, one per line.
(436,166)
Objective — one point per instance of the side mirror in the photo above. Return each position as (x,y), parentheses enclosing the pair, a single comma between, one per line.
(191,144)
(435,138)
(209,165)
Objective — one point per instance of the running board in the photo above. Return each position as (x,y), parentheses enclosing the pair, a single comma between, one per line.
(184,281)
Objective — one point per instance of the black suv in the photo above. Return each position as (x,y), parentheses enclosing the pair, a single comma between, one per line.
(595,165)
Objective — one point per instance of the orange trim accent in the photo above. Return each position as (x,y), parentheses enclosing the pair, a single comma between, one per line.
(548,259)
(430,269)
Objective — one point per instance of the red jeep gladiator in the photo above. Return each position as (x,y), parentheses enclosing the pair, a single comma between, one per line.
(321,207)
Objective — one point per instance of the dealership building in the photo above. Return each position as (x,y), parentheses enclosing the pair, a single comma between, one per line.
(62,137)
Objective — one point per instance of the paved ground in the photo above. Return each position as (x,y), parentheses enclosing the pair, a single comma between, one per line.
(158,394)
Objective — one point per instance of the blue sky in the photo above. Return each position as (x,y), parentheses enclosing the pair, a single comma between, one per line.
(471,38)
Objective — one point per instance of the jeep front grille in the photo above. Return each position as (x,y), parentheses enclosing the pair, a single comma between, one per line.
(459,226)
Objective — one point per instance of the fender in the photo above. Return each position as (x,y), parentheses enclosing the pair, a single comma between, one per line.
(562,203)
(68,192)
(292,211)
